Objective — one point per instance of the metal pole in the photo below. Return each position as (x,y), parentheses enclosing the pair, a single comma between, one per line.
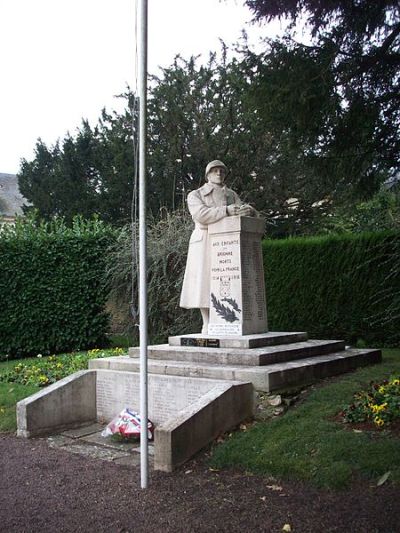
(142,71)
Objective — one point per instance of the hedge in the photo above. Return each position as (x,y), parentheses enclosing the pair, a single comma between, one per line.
(344,287)
(51,287)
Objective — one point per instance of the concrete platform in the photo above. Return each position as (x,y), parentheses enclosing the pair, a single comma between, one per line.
(88,441)
(265,378)
(241,356)
(241,341)
(187,413)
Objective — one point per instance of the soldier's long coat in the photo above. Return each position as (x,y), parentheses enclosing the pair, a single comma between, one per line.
(206,205)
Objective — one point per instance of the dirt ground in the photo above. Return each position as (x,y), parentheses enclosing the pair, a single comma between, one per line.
(49,489)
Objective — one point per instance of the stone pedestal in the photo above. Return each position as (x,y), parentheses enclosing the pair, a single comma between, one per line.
(237,288)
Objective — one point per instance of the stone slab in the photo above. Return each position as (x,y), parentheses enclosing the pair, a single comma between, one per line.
(264,378)
(241,356)
(188,413)
(237,286)
(224,407)
(236,224)
(241,341)
(108,442)
(68,403)
(311,370)
(168,395)
(83,431)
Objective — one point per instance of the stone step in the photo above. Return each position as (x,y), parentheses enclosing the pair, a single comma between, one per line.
(240,341)
(264,378)
(241,356)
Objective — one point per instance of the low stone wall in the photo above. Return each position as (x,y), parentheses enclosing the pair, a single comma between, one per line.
(219,410)
(68,403)
(188,412)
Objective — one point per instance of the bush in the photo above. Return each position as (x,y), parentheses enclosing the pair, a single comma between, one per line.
(168,240)
(336,287)
(345,286)
(51,286)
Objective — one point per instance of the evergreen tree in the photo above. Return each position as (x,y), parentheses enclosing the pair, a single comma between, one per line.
(332,105)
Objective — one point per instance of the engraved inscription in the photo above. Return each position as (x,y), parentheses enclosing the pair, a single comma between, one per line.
(206,343)
(167,395)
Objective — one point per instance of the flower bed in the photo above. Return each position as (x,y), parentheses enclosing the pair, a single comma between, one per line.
(379,404)
(50,369)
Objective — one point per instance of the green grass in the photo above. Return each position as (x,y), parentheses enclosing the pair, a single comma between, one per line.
(307,444)
(10,394)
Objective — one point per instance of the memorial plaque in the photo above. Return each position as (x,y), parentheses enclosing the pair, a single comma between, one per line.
(237,289)
(199,342)
(167,394)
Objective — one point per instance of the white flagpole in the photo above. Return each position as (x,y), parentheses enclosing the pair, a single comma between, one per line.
(142,71)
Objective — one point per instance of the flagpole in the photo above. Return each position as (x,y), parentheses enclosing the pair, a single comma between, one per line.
(142,89)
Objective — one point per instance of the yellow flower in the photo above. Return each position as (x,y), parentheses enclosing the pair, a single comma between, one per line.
(396,382)
(382,389)
(59,365)
(378,421)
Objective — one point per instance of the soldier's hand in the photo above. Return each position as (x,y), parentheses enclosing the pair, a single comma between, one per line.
(232,210)
(246,210)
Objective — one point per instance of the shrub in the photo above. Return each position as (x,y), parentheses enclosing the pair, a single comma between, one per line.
(344,286)
(51,286)
(168,240)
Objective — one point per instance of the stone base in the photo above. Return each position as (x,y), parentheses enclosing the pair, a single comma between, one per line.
(238,341)
(188,413)
(241,356)
(266,378)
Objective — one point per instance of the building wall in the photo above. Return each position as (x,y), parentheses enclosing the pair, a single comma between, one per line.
(11,200)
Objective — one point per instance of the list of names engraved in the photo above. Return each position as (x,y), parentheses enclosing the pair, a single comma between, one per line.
(167,395)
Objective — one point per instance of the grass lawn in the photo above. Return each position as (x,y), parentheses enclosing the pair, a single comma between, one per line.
(11,393)
(306,443)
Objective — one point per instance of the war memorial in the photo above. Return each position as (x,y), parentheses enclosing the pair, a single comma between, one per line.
(203,383)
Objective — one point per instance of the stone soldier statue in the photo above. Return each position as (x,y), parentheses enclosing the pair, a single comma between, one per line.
(210,203)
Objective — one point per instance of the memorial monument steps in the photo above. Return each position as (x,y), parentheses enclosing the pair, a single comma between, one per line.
(242,356)
(269,368)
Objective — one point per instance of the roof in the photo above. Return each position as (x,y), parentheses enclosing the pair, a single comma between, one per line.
(11,200)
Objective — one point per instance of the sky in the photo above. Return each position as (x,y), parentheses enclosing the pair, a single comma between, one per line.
(64,60)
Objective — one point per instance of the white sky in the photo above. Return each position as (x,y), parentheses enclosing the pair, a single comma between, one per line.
(61,60)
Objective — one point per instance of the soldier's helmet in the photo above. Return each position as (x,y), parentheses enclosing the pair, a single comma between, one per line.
(213,164)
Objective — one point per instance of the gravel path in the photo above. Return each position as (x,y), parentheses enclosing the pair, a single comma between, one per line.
(44,489)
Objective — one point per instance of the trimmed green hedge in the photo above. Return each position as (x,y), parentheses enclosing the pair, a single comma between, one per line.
(51,289)
(343,287)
